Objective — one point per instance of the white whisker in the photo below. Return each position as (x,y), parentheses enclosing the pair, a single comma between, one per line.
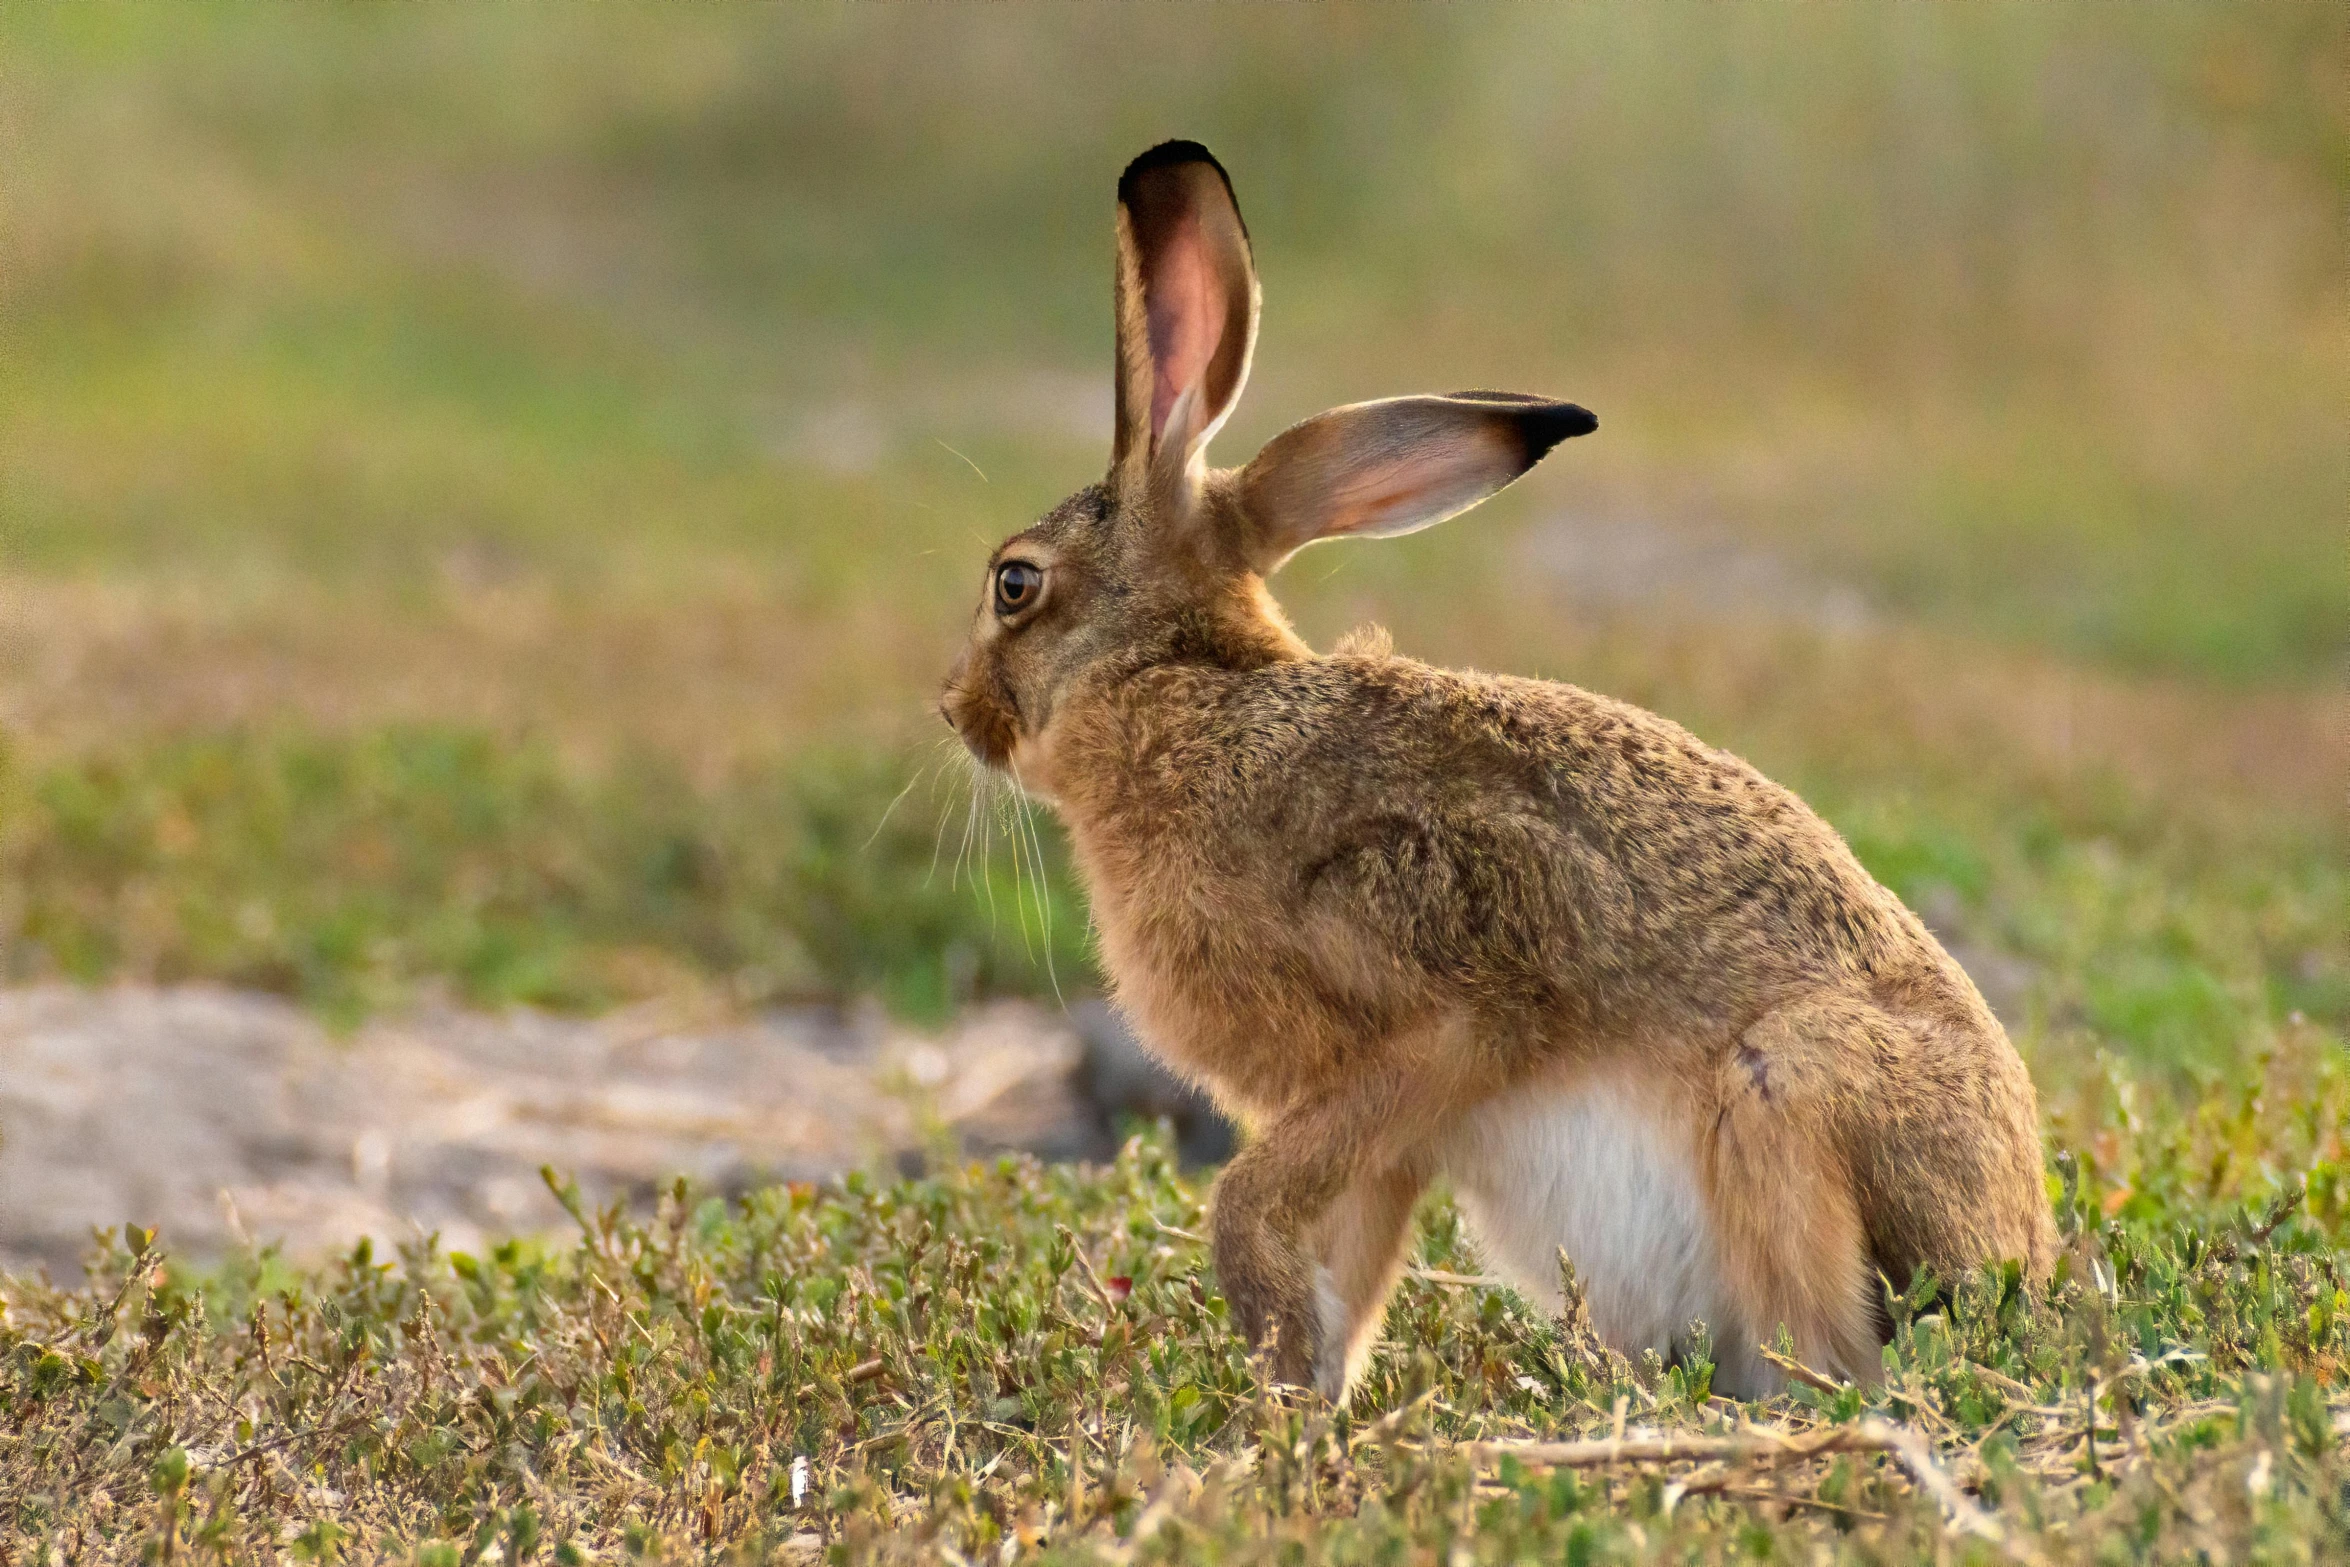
(1044,906)
(1003,810)
(938,838)
(975,468)
(1026,827)
(986,862)
(970,812)
(891,809)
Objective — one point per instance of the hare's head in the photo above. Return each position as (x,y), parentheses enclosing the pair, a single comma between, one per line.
(1165,558)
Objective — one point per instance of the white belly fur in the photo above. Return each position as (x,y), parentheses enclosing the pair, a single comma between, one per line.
(1593,1167)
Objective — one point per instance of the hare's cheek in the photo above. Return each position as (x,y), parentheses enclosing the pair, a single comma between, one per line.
(1033,760)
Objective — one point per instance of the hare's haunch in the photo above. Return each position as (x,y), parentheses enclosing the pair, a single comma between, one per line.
(1633,999)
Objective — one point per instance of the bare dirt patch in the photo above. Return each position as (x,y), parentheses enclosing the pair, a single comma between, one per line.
(222,1115)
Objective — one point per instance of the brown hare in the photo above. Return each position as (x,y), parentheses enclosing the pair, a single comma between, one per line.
(1632,999)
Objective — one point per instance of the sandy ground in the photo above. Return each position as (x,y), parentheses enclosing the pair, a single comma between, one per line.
(221,1116)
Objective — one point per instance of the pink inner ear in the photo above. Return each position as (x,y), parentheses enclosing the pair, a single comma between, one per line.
(1187,311)
(1438,476)
(1362,507)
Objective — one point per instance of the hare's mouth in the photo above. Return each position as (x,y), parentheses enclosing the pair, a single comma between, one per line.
(989,728)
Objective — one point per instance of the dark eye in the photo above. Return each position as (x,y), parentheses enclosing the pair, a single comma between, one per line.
(1017,584)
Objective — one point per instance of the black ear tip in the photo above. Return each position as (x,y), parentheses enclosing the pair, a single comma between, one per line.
(1550,423)
(1541,421)
(1169,155)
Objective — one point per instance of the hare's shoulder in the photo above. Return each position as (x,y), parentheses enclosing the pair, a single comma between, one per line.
(1388,734)
(1382,707)
(1365,696)
(1580,776)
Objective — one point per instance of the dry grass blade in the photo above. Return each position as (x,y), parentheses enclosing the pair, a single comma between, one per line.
(286,1439)
(1093,1279)
(1789,1366)
(1666,1448)
(1458,1280)
(1906,1448)
(1910,1450)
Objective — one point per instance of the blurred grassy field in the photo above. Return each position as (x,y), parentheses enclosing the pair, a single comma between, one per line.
(485,497)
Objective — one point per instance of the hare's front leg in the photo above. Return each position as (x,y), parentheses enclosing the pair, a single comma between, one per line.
(1308,1227)
(1361,1246)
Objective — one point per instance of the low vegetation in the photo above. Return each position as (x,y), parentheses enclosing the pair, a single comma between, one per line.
(1006,1357)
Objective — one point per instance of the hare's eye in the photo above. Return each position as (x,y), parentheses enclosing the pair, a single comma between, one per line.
(1017,584)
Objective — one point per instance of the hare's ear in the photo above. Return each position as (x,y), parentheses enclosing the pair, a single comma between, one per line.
(1187,310)
(1395,466)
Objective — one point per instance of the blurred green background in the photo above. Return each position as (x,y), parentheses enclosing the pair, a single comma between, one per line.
(486,496)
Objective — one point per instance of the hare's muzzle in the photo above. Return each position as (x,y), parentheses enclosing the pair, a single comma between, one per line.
(984,724)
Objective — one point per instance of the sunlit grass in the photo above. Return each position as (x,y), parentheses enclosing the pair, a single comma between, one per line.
(1007,1359)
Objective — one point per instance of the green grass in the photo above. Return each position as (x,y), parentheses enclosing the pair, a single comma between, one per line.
(1010,1358)
(351,871)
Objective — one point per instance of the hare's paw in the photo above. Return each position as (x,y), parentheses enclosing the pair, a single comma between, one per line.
(1309,1347)
(1311,1350)
(1295,1320)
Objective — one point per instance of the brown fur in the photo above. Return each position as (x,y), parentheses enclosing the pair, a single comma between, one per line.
(1355,896)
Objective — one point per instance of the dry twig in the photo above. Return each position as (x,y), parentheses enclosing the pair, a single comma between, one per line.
(1789,1366)
(1905,1447)
(1459,1280)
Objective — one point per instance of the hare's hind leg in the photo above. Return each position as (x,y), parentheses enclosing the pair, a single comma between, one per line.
(1785,1209)
(1947,1153)
(1359,1252)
